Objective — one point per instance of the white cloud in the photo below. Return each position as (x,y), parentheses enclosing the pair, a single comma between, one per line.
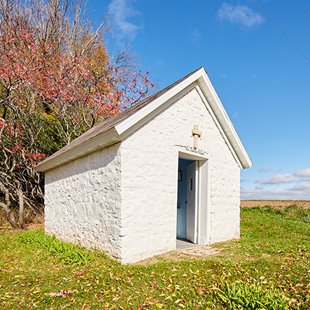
(120,11)
(239,14)
(304,173)
(278,179)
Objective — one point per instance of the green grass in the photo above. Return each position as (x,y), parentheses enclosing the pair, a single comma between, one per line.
(267,269)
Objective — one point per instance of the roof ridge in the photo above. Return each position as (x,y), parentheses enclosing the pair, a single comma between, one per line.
(149,98)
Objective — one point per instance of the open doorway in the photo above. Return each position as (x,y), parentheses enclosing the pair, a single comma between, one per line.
(193,199)
(186,203)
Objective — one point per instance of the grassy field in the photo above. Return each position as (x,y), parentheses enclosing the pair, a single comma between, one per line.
(267,269)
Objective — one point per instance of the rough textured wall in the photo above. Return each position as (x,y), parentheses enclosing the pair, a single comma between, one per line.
(225,196)
(149,179)
(82,201)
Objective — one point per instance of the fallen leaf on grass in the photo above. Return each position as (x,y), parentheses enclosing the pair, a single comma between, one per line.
(62,293)
(200,292)
(144,305)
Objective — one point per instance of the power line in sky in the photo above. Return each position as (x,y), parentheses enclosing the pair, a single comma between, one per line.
(282,31)
(304,8)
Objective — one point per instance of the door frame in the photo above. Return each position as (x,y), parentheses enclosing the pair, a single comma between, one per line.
(191,201)
(202,195)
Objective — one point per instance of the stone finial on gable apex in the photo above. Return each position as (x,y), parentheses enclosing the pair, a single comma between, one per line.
(196,134)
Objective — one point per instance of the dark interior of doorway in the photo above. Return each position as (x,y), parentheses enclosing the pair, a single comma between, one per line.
(182,199)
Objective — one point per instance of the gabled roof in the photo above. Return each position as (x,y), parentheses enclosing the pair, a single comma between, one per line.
(116,128)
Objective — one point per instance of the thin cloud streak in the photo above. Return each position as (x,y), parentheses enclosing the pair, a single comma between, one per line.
(278,179)
(239,14)
(263,170)
(195,35)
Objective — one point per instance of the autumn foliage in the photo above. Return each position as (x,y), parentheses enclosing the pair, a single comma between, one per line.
(56,81)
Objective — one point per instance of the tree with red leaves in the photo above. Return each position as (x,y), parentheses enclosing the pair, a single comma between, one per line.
(56,81)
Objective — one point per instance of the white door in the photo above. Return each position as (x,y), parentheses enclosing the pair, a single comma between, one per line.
(191,202)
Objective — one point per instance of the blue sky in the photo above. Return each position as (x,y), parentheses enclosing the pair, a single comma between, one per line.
(257,55)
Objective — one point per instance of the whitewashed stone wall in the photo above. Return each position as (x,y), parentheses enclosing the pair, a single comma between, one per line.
(123,199)
(149,179)
(82,201)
